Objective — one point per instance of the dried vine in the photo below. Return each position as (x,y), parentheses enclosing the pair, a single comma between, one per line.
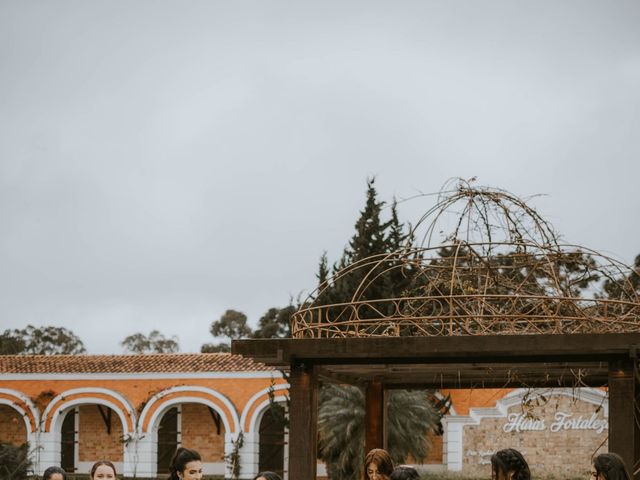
(499,270)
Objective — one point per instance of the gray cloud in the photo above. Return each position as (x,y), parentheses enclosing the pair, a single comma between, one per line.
(164,161)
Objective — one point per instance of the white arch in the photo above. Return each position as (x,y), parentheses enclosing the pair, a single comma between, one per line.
(256,416)
(57,418)
(61,406)
(230,425)
(25,414)
(594,396)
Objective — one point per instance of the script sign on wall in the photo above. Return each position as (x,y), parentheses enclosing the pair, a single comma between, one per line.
(557,435)
(562,421)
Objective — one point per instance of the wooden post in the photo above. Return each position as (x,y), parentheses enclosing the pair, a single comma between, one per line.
(303,422)
(374,416)
(624,434)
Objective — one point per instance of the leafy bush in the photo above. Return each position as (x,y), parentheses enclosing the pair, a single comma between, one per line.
(14,461)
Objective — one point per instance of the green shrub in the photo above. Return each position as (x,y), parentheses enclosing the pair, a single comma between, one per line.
(14,461)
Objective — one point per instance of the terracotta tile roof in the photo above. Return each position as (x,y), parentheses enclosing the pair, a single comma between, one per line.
(161,363)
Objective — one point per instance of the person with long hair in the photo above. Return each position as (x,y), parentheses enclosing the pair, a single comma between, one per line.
(186,464)
(609,466)
(509,464)
(267,476)
(404,472)
(103,470)
(54,473)
(378,465)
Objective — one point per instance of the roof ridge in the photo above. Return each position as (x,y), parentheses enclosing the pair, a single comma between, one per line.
(89,355)
(130,363)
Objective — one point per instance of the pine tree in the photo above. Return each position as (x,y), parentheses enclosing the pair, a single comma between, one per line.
(375,265)
(324,291)
(624,288)
(370,268)
(361,274)
(369,240)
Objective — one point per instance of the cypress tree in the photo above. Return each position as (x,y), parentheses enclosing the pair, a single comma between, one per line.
(341,411)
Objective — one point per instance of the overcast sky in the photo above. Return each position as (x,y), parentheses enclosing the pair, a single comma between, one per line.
(162,161)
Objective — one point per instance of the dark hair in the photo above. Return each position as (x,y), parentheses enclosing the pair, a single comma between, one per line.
(611,467)
(404,472)
(180,460)
(268,476)
(48,473)
(510,460)
(102,462)
(381,459)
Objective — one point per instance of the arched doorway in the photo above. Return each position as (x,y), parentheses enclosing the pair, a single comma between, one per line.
(69,441)
(192,425)
(272,440)
(207,421)
(103,421)
(100,436)
(168,438)
(14,430)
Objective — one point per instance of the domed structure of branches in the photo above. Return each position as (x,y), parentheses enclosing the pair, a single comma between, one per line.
(486,264)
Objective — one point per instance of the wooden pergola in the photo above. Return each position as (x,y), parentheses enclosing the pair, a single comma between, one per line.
(496,302)
(497,361)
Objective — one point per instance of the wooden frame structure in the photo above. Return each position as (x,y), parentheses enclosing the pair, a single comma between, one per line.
(380,363)
(497,302)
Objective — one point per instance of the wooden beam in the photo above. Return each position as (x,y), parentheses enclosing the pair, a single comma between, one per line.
(491,383)
(476,375)
(341,378)
(303,419)
(461,349)
(624,434)
(374,415)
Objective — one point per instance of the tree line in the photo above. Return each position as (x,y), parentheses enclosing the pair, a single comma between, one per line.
(50,340)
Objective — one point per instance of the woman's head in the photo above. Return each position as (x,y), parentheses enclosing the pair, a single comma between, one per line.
(609,466)
(186,464)
(404,472)
(509,464)
(54,473)
(378,465)
(267,476)
(103,470)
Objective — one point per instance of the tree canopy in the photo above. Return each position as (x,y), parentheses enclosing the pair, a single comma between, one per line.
(355,276)
(232,324)
(275,323)
(155,342)
(623,289)
(40,341)
(11,344)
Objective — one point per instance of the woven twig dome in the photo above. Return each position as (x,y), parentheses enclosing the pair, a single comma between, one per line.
(487,264)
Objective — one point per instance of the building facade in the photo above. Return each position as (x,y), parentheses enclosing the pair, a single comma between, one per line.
(135,410)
